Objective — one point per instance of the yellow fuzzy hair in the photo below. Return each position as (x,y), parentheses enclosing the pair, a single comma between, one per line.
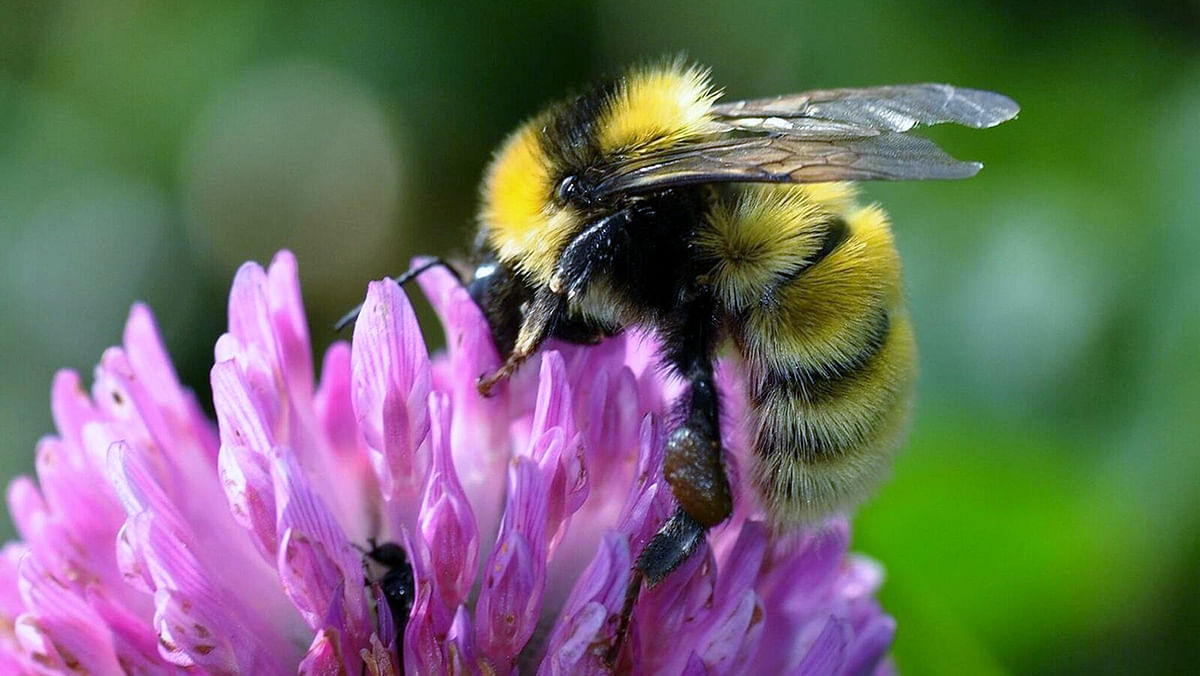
(823,447)
(871,418)
(758,239)
(828,316)
(658,106)
(653,107)
(525,228)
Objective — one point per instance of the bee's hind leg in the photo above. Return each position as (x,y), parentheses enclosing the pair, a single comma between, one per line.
(695,470)
(692,465)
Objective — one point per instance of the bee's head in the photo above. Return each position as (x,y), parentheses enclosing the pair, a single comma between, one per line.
(538,192)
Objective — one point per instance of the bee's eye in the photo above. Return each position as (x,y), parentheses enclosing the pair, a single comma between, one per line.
(568,189)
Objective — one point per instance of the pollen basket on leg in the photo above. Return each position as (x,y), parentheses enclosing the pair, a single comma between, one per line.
(523,225)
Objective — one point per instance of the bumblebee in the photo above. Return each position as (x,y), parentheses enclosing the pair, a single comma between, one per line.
(646,201)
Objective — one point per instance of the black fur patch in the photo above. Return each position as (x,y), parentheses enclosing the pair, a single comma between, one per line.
(500,294)
(568,135)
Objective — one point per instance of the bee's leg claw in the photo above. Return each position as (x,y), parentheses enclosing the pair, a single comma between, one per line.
(487,383)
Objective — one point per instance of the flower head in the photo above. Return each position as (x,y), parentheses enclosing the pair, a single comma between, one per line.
(155,541)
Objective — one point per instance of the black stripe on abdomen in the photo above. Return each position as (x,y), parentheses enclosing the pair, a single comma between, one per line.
(836,232)
(814,383)
(838,409)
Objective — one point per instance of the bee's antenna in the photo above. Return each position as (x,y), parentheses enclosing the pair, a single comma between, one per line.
(403,279)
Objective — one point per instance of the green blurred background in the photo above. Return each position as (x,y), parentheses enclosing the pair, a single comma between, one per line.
(1044,518)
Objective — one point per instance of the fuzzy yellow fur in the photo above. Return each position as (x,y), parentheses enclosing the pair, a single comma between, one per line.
(658,106)
(830,314)
(868,420)
(803,492)
(760,238)
(787,325)
(525,227)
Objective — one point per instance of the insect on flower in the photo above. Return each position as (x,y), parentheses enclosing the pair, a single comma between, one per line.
(396,584)
(517,531)
(646,202)
(154,541)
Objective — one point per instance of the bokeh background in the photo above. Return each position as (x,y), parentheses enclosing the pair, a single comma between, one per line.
(1045,517)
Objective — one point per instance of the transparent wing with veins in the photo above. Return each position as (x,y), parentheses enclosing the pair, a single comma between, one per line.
(820,136)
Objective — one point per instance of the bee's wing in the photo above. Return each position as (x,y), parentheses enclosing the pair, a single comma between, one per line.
(896,108)
(780,158)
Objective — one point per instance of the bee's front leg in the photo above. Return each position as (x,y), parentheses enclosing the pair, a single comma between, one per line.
(590,253)
(540,317)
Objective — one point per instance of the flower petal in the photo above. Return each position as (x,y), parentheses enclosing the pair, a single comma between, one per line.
(460,644)
(379,661)
(173,410)
(245,418)
(29,511)
(726,636)
(447,521)
(870,647)
(250,320)
(334,404)
(309,576)
(479,432)
(422,648)
(324,657)
(315,558)
(586,619)
(201,624)
(290,327)
(557,448)
(70,405)
(553,406)
(576,638)
(246,477)
(63,626)
(391,377)
(515,576)
(694,667)
(825,655)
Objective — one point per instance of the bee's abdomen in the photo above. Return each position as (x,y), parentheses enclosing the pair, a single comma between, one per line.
(824,438)
(827,343)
